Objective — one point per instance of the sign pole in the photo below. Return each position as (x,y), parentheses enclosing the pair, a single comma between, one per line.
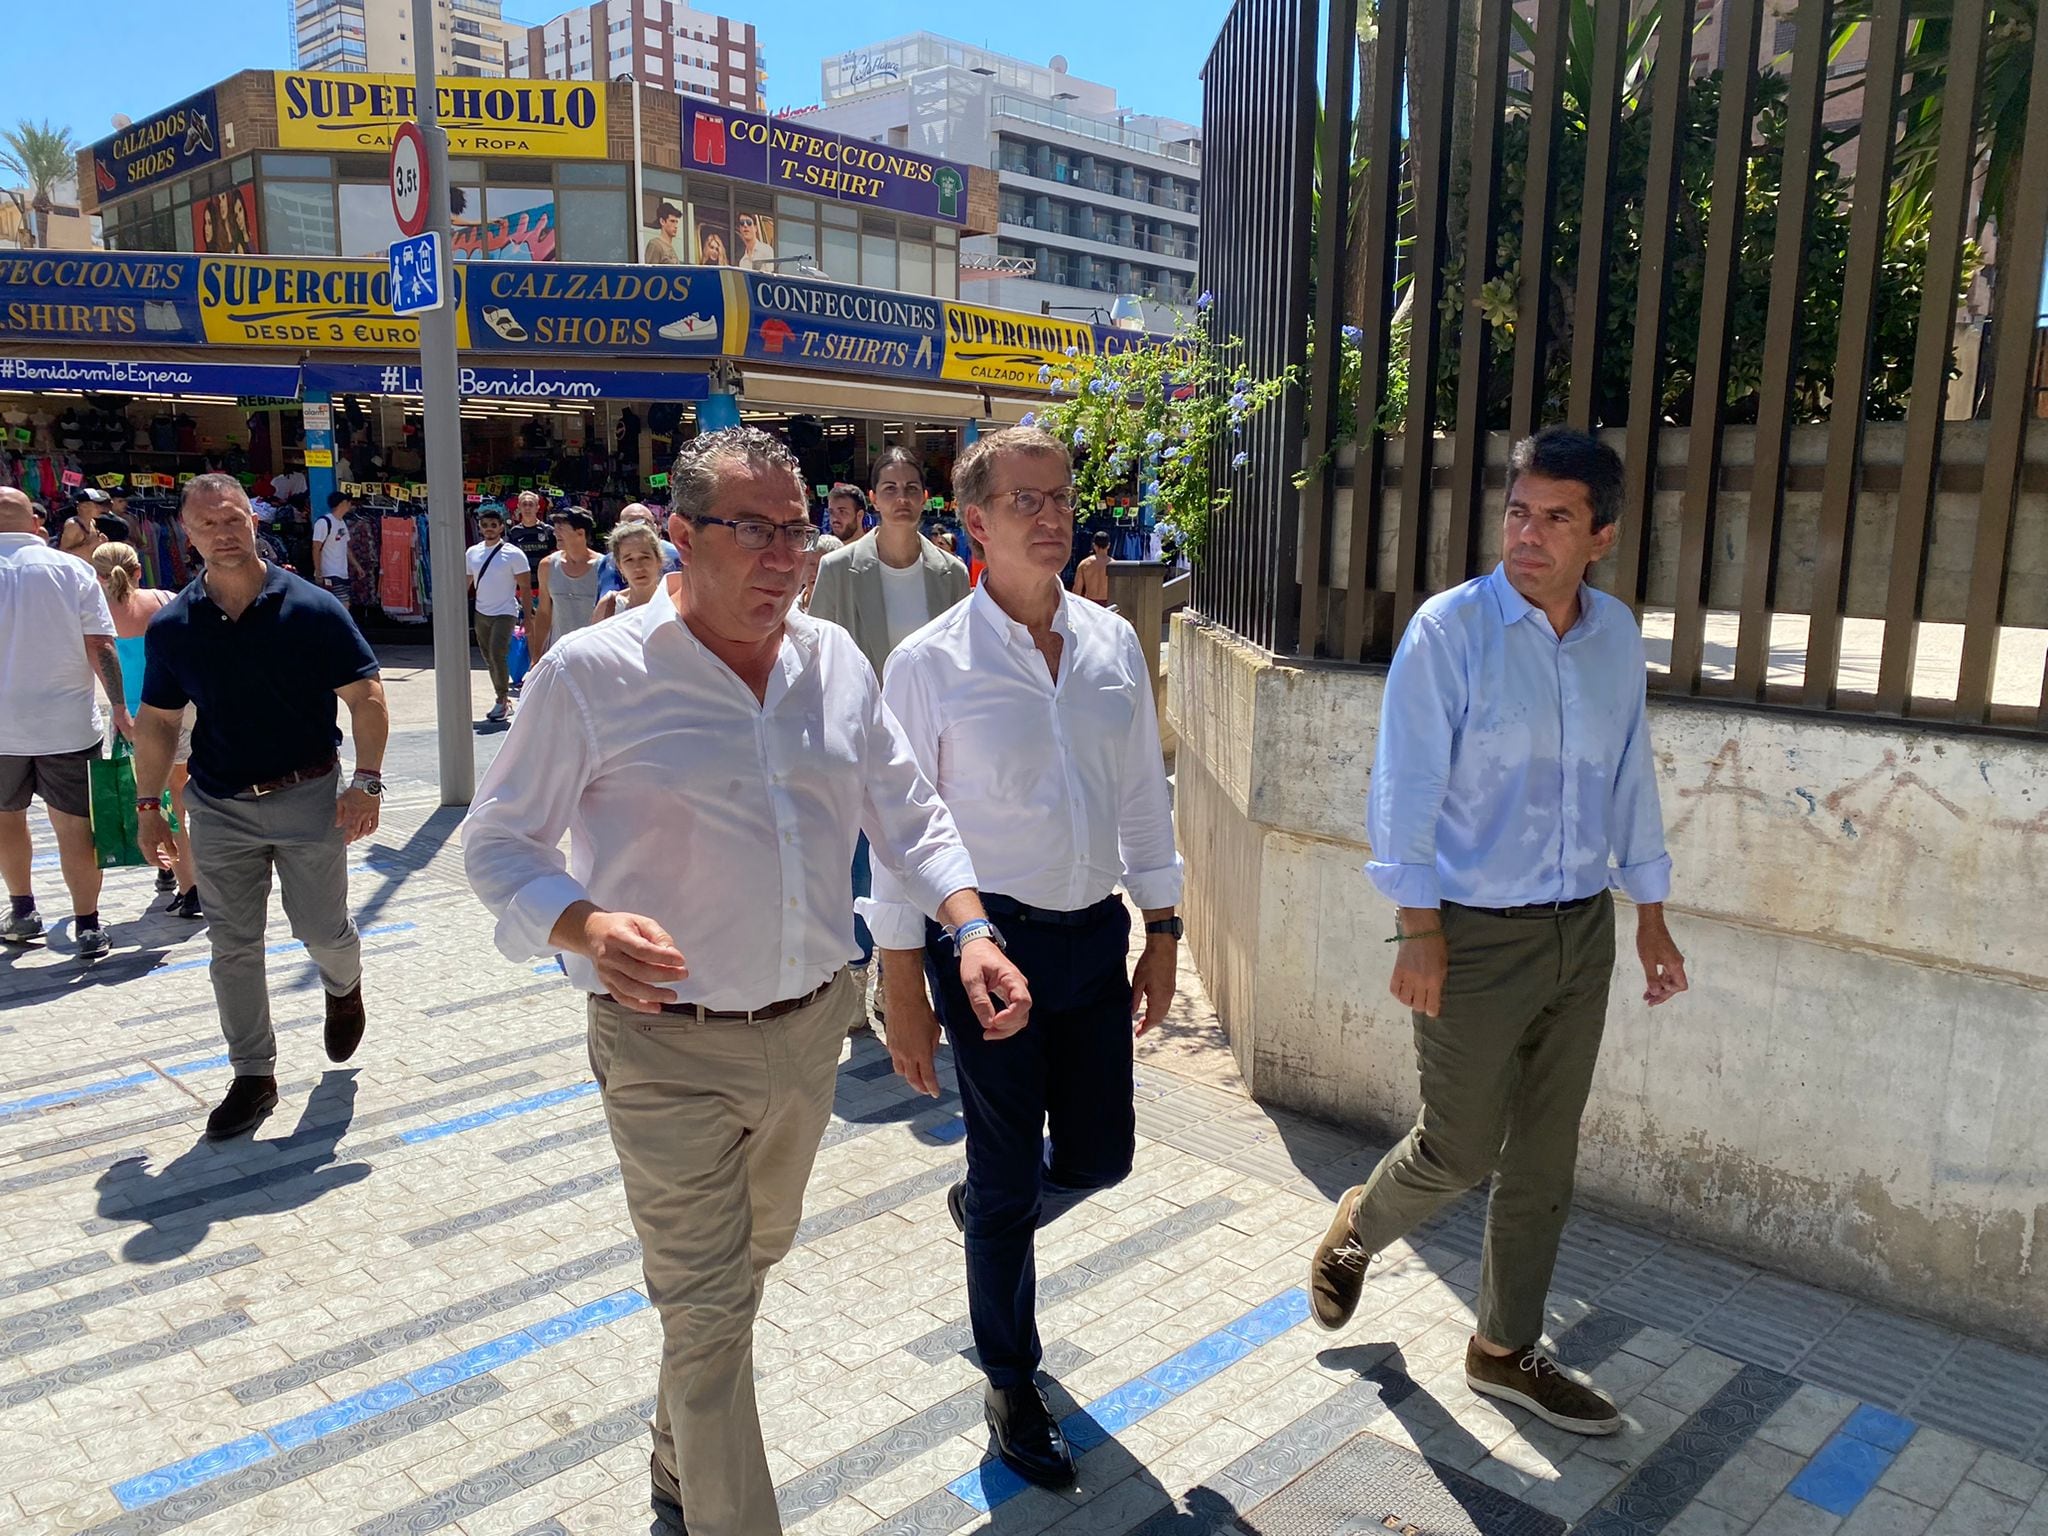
(441,416)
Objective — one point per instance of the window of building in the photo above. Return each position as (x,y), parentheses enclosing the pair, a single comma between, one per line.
(878,266)
(839,252)
(917,263)
(946,275)
(593,221)
(298,218)
(652,37)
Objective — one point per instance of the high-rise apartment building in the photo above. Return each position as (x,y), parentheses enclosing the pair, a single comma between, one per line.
(470,36)
(658,42)
(1098,201)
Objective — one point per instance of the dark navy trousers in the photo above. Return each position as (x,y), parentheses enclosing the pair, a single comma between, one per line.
(1050,1116)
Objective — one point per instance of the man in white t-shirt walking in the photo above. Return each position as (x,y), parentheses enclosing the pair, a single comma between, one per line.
(499,582)
(56,636)
(334,563)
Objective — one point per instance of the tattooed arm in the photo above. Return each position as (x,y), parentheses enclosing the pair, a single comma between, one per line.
(106,665)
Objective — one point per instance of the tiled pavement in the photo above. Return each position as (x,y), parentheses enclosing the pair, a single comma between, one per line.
(412,1304)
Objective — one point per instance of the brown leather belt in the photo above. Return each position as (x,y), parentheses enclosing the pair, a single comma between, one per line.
(705,1015)
(302,776)
(1542,908)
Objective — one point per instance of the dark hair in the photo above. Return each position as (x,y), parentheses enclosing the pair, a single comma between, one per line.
(1102,541)
(667,211)
(1563,453)
(111,525)
(852,492)
(896,455)
(490,512)
(336,498)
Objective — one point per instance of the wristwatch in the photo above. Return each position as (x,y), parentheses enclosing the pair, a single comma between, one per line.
(1169,925)
(371,784)
(977,928)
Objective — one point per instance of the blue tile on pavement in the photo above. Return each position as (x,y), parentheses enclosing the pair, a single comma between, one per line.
(1841,1474)
(1875,1426)
(286,948)
(497,1112)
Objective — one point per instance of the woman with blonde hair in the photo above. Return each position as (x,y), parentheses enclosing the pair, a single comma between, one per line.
(133,605)
(636,550)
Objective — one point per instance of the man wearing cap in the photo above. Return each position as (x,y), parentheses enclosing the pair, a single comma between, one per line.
(80,535)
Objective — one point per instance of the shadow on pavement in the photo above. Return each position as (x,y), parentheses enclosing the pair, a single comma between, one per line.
(290,1172)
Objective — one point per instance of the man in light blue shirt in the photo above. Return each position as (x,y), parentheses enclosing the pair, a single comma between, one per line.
(1513,788)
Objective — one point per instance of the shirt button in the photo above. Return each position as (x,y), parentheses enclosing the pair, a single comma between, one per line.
(792,901)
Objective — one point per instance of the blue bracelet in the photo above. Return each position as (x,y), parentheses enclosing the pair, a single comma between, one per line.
(975,928)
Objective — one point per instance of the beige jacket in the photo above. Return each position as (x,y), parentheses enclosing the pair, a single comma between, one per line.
(849,592)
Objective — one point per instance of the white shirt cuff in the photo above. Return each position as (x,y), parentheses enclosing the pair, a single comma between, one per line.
(1152,889)
(893,924)
(1406,885)
(525,926)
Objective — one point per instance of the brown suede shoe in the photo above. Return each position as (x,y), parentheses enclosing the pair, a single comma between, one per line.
(1336,1274)
(1531,1379)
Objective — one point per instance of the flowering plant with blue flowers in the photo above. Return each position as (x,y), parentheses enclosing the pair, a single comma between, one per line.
(1152,420)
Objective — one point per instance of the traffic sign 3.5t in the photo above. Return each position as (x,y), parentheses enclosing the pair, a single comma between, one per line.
(409,178)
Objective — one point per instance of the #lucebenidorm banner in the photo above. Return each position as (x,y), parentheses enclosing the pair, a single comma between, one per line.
(776,152)
(554,119)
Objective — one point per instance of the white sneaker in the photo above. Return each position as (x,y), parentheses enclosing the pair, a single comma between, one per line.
(689,328)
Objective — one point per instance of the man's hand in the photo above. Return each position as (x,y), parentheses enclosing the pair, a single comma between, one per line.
(636,960)
(355,812)
(995,988)
(124,723)
(1421,963)
(153,835)
(1663,965)
(1152,983)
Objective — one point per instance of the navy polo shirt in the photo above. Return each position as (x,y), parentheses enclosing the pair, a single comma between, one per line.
(264,683)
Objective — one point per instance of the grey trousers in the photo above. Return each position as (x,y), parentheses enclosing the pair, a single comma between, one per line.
(236,844)
(1506,1067)
(494,639)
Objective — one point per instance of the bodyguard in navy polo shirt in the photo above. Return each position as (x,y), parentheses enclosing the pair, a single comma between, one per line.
(264,655)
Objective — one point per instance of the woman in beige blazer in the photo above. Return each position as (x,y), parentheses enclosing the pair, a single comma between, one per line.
(883,588)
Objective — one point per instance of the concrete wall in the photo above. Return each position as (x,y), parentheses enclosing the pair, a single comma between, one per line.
(1853,1089)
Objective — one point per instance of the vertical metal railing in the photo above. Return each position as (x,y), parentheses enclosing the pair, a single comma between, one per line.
(1649,311)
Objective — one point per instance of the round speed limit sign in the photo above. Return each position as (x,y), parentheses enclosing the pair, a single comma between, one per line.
(409,178)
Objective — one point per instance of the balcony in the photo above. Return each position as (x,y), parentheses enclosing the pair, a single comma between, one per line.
(1018,174)
(1024,110)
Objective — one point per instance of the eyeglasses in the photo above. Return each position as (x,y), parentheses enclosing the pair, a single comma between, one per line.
(1030,503)
(757,533)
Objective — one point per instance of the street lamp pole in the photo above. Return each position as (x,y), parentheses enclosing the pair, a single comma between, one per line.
(441,417)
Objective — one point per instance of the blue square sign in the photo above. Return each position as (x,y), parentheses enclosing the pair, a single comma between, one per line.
(418,275)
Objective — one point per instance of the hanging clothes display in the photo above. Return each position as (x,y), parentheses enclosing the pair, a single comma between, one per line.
(397,581)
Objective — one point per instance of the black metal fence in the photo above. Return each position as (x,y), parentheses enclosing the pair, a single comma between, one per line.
(1750,263)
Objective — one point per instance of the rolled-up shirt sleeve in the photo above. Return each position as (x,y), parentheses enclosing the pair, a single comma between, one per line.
(1144,827)
(1642,866)
(919,859)
(1424,698)
(512,837)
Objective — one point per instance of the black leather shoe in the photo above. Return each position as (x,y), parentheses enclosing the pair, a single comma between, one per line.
(666,1499)
(344,1023)
(956,1205)
(248,1101)
(166,882)
(1027,1439)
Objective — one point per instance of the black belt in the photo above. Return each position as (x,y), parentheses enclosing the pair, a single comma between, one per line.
(1004,910)
(1540,909)
(705,1015)
(301,776)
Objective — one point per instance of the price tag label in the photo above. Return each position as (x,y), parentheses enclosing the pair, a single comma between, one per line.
(658,482)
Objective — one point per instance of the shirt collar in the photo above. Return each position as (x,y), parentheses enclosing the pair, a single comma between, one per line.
(22,540)
(800,639)
(1007,629)
(1514,607)
(273,586)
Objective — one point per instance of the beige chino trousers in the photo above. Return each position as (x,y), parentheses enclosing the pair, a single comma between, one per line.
(716,1125)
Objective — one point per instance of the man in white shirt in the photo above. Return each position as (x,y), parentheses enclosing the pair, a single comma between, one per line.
(498,582)
(333,560)
(712,754)
(1031,709)
(56,636)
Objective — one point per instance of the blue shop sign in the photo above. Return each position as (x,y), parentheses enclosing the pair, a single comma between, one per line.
(626,311)
(856,330)
(512,383)
(277,380)
(100,296)
(174,141)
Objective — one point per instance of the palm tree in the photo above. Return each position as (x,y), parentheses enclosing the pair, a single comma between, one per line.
(42,156)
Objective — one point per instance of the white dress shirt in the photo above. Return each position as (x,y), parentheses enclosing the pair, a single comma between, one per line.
(730,822)
(1058,789)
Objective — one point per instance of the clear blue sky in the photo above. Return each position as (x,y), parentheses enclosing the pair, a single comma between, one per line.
(78,62)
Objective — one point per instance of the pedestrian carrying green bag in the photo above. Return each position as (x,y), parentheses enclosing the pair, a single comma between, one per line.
(116,836)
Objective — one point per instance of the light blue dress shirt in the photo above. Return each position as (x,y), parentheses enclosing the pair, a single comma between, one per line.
(1514,765)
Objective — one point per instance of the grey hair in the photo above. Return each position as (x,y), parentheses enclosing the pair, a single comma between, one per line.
(212,487)
(974,472)
(693,483)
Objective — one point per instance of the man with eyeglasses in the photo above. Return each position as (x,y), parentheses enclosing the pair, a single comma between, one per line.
(1031,709)
(714,754)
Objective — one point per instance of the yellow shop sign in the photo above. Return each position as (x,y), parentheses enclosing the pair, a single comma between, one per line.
(273,301)
(993,346)
(553,119)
